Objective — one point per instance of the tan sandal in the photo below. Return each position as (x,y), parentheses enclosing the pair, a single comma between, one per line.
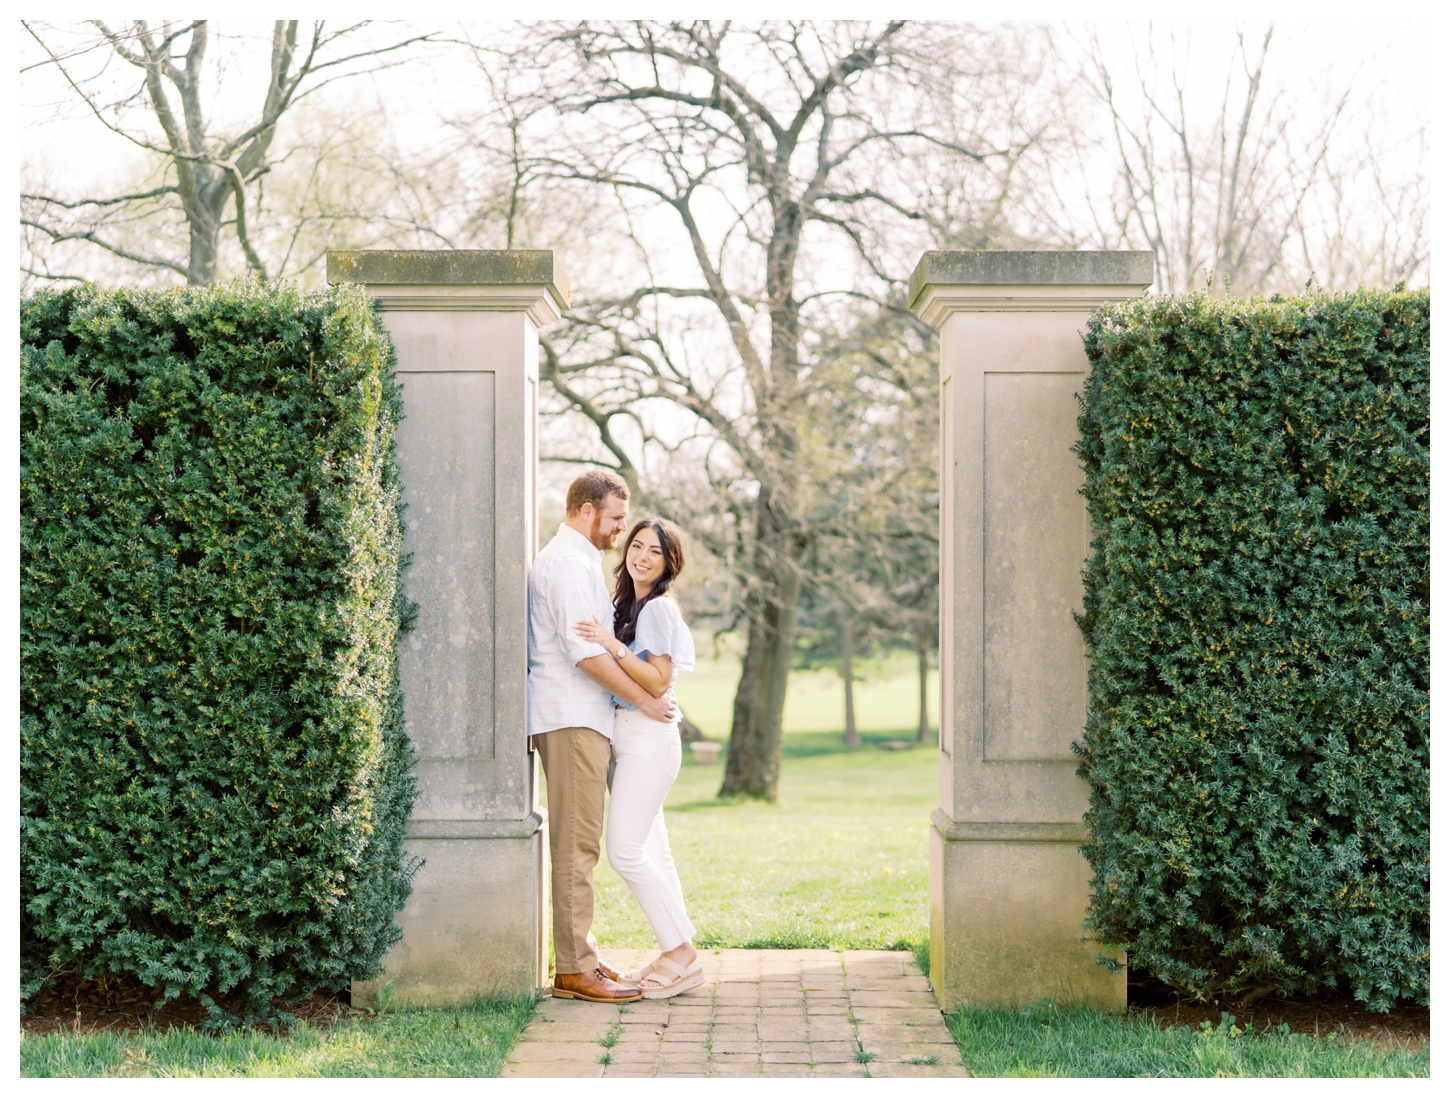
(634,976)
(637,975)
(667,988)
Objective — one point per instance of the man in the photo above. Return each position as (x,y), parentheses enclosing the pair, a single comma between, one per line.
(571,718)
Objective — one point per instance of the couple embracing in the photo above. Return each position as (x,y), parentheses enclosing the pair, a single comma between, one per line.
(602,715)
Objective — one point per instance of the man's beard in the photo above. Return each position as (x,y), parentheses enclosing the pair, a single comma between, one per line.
(598,538)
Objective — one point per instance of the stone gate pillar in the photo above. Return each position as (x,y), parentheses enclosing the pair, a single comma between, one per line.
(465,324)
(1009,888)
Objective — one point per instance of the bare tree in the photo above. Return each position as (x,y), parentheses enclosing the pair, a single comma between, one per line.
(789,159)
(200,174)
(870,445)
(1242,186)
(1373,219)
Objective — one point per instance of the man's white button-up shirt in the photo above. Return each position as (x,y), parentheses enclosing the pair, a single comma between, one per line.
(566,585)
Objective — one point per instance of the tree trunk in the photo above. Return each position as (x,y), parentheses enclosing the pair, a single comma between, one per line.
(752,767)
(204,247)
(848,676)
(204,214)
(923,668)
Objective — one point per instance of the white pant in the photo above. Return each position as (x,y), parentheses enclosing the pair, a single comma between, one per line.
(646,763)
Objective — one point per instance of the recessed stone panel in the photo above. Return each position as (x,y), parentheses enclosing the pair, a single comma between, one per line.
(446,450)
(1035,541)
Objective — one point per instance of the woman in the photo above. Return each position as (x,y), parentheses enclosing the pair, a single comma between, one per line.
(653,645)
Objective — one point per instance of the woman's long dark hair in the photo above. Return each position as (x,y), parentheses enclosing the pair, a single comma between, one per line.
(626,606)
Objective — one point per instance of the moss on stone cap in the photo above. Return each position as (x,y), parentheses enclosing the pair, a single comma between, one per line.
(1030,269)
(449,268)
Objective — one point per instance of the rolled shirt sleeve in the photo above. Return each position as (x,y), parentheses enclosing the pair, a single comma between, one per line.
(661,630)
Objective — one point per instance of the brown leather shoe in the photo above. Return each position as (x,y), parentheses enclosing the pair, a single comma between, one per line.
(609,973)
(593,987)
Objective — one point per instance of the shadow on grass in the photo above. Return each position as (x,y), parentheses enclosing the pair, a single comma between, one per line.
(714,802)
(810,745)
(805,745)
(803,939)
(921,950)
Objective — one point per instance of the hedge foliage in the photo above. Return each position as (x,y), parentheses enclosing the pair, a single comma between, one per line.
(1257,609)
(214,773)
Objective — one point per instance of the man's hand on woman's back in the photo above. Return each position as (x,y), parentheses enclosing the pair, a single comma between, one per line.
(659,709)
(608,674)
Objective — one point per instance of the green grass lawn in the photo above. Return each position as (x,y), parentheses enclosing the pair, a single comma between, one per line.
(465,1041)
(1043,1041)
(839,862)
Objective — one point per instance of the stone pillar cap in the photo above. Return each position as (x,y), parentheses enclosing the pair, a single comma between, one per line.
(947,282)
(524,280)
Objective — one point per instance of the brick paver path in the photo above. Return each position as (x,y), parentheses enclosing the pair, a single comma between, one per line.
(799,1013)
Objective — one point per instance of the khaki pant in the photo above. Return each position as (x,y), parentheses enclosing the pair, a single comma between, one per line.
(576,768)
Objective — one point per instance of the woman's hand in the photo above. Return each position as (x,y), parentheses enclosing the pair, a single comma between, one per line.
(592,630)
(655,674)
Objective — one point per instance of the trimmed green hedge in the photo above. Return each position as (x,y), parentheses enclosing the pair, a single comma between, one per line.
(214,774)
(1257,610)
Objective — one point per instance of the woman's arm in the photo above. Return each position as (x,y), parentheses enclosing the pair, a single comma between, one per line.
(605,671)
(654,674)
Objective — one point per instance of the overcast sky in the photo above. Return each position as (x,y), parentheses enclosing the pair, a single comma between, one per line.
(1396,52)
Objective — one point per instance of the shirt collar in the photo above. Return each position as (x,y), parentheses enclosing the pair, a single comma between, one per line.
(575,540)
